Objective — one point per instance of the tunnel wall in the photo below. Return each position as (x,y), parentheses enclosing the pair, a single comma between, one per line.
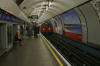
(54,24)
(59,27)
(83,24)
(57,24)
(92,22)
(89,21)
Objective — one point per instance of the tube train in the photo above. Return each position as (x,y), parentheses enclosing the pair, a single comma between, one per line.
(46,28)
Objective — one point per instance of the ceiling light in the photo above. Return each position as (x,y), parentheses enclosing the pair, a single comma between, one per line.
(50,3)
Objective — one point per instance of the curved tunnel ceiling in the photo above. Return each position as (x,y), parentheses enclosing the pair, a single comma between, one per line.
(11,7)
(57,7)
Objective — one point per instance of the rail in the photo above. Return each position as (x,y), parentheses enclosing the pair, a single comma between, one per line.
(78,53)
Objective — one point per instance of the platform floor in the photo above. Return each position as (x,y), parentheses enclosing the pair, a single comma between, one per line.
(33,52)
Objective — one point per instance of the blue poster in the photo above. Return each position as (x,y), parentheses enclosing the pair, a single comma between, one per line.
(70,17)
(72,25)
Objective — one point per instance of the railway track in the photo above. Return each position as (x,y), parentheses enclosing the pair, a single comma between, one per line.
(74,51)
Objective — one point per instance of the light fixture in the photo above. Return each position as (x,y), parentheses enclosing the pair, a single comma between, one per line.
(50,3)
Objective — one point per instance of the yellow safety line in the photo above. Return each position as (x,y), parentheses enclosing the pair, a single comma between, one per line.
(58,60)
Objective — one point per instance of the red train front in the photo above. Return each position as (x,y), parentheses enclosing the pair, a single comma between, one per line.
(46,28)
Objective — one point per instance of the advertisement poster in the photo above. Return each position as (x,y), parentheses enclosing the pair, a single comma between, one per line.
(72,25)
